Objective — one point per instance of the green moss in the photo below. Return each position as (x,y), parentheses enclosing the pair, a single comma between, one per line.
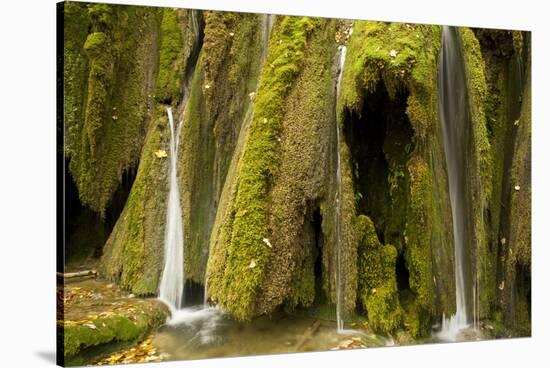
(171,59)
(377,281)
(477,98)
(111,329)
(404,57)
(237,291)
(227,72)
(131,253)
(516,294)
(106,139)
(298,217)
(75,72)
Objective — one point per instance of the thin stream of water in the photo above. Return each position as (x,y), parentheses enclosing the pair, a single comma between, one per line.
(339,296)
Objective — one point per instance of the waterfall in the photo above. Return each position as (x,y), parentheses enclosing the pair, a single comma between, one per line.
(339,296)
(171,285)
(454,117)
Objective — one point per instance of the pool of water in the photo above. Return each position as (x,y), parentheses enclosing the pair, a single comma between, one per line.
(196,333)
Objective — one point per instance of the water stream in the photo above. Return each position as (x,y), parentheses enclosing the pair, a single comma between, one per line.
(454,117)
(339,296)
(171,285)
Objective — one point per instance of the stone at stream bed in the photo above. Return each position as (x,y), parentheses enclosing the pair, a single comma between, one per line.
(97,314)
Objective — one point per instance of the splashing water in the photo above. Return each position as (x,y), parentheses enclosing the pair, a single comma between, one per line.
(339,296)
(454,114)
(171,285)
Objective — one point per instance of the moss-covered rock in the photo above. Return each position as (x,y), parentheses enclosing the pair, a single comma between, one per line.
(516,282)
(404,57)
(114,74)
(377,286)
(131,254)
(132,326)
(227,72)
(240,258)
(504,283)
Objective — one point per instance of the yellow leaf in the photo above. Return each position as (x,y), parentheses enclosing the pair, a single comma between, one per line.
(161,153)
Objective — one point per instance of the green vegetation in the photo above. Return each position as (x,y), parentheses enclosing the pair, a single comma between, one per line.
(247,255)
(126,328)
(257,165)
(171,58)
(377,280)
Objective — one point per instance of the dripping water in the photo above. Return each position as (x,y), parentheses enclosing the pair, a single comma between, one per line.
(454,117)
(339,296)
(171,285)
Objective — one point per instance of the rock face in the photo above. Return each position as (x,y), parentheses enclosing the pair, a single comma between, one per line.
(258,151)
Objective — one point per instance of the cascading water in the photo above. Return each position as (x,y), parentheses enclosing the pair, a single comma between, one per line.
(339,296)
(171,285)
(454,116)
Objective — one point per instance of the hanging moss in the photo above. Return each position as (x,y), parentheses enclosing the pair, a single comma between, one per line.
(298,186)
(377,281)
(246,253)
(75,72)
(117,95)
(171,58)
(227,72)
(131,254)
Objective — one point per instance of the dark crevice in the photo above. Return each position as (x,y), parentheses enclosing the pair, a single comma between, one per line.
(380,139)
(85,231)
(84,228)
(316,223)
(402,273)
(119,198)
(193,294)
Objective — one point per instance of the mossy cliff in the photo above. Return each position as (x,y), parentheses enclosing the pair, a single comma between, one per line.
(132,254)
(251,262)
(109,84)
(258,161)
(394,67)
(225,78)
(504,275)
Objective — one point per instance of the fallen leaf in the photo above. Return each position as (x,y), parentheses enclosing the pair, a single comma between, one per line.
(91,325)
(252,264)
(161,153)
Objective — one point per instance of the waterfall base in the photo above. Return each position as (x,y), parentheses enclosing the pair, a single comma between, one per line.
(452,328)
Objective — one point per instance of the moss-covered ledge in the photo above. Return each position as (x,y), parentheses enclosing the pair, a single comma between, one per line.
(97,315)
